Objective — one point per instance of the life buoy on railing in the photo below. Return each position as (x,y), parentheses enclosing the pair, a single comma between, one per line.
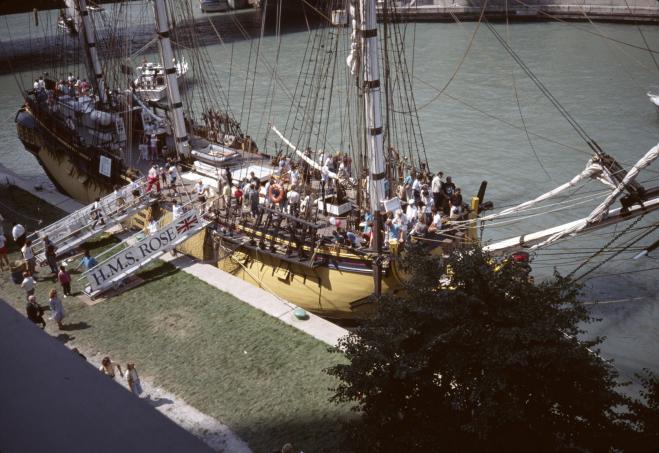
(275,193)
(69,123)
(229,140)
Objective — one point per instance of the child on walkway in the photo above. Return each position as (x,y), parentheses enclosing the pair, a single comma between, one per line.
(65,280)
(108,366)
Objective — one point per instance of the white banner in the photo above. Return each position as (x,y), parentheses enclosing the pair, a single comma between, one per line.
(130,259)
(105,166)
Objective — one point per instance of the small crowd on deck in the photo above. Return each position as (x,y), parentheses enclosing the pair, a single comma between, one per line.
(426,203)
(72,86)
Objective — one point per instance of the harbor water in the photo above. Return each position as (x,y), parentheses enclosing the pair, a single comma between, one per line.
(482,119)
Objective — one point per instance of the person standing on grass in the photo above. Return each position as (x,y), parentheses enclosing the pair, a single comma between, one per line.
(108,367)
(28,256)
(3,253)
(87,261)
(51,254)
(133,379)
(28,284)
(34,312)
(56,308)
(64,279)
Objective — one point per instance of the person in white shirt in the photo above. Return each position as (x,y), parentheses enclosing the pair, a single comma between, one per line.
(134,189)
(153,178)
(400,220)
(28,284)
(295,176)
(293,197)
(119,199)
(133,379)
(427,201)
(412,213)
(455,212)
(173,175)
(177,211)
(416,188)
(96,213)
(436,189)
(28,256)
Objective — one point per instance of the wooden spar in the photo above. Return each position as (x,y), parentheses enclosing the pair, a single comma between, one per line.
(173,94)
(90,44)
(300,154)
(368,30)
(614,216)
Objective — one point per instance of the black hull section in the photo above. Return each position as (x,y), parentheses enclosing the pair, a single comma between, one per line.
(73,171)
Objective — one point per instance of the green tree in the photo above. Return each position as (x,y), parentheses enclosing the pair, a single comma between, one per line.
(644,415)
(488,361)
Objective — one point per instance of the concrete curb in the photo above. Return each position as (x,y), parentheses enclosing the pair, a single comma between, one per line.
(258,298)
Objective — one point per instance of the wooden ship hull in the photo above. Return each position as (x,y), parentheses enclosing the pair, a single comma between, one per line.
(73,171)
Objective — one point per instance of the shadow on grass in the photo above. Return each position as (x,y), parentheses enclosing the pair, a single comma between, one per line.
(157,402)
(159,271)
(65,337)
(317,434)
(76,326)
(100,242)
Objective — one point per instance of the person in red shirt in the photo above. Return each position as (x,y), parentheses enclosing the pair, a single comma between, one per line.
(65,280)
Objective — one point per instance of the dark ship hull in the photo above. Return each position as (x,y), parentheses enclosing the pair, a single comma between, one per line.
(73,168)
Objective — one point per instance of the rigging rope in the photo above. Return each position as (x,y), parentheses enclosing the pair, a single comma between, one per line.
(601,35)
(545,91)
(462,60)
(519,106)
(615,238)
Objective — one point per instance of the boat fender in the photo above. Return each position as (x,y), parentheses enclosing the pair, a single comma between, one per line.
(69,124)
(275,193)
(229,140)
(300,313)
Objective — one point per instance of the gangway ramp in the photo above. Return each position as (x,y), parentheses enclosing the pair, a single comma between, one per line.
(111,271)
(69,232)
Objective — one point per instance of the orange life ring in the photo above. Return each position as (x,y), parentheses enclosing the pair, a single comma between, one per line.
(275,193)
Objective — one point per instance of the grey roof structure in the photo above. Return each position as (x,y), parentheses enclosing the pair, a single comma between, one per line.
(52,400)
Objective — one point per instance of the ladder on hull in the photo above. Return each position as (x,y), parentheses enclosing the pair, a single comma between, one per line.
(110,272)
(69,232)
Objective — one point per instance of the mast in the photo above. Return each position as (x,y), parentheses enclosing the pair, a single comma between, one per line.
(90,43)
(371,85)
(173,94)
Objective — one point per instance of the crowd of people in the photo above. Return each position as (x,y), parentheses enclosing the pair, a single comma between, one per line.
(35,312)
(46,88)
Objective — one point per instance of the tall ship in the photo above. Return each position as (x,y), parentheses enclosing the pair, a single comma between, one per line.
(321,212)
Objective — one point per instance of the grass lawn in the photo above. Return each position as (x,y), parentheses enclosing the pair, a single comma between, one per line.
(256,374)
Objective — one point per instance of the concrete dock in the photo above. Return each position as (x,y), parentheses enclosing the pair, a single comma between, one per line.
(527,10)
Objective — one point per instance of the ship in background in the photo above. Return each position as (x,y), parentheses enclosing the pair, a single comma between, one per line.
(89,130)
(331,246)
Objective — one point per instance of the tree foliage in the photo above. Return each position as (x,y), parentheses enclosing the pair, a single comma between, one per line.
(488,361)
(644,415)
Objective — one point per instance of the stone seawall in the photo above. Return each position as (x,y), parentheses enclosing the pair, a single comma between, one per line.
(527,10)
